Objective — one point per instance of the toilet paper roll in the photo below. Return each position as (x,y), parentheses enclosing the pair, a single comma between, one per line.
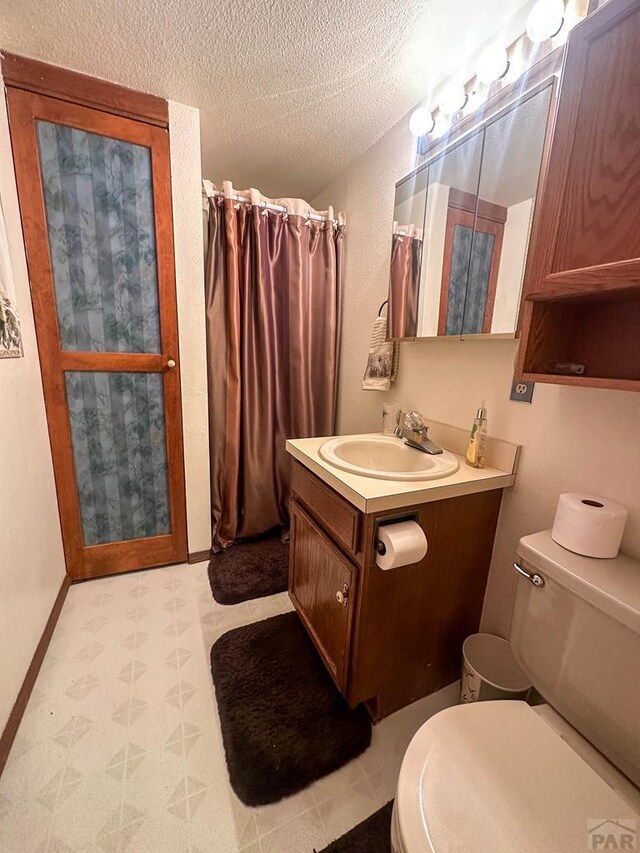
(589,525)
(402,543)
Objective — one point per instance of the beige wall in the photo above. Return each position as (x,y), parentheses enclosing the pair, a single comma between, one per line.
(574,439)
(432,259)
(31,558)
(366,193)
(511,268)
(186,178)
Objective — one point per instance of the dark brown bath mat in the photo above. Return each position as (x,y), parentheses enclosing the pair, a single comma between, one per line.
(373,835)
(249,570)
(284,724)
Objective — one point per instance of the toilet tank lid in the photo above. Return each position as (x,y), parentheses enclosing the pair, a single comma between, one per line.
(612,586)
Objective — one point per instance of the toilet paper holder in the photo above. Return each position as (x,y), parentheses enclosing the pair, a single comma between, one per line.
(380,546)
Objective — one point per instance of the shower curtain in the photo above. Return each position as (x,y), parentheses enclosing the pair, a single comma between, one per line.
(273,294)
(404,281)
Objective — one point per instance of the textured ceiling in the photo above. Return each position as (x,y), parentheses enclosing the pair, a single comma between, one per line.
(290,92)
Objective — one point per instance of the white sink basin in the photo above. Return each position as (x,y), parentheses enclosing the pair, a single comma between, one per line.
(386,458)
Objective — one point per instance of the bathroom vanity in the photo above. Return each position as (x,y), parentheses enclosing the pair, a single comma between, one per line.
(390,637)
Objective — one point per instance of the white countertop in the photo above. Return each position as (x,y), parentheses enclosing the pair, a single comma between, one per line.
(371,495)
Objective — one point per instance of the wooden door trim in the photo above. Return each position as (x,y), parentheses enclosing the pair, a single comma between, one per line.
(491,226)
(110,558)
(32,210)
(484,209)
(24,108)
(66,85)
(127,362)
(85,118)
(167,295)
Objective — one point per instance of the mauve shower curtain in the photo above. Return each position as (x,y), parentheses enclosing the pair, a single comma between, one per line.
(404,283)
(273,294)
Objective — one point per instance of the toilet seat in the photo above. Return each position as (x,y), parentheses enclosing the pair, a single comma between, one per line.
(494,777)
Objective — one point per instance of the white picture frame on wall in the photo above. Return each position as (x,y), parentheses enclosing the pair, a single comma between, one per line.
(10,334)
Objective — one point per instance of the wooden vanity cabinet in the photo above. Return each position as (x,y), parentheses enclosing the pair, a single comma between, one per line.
(582,285)
(323,587)
(388,638)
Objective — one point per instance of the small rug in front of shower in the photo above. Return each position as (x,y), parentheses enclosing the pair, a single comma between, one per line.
(250,569)
(284,723)
(373,835)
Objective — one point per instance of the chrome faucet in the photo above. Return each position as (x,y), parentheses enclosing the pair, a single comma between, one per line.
(419,440)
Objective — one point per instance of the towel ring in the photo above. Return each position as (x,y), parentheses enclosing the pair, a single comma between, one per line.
(386,302)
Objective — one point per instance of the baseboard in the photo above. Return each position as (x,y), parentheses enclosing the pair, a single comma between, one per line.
(199,556)
(11,728)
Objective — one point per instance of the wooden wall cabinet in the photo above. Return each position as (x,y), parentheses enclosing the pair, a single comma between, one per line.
(582,302)
(388,638)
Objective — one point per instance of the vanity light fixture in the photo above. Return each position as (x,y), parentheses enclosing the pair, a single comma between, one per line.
(421,122)
(545,20)
(493,63)
(453,97)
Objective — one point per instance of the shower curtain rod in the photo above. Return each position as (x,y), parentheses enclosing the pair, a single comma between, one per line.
(243,199)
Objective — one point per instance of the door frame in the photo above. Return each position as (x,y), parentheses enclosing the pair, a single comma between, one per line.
(25,105)
(467,210)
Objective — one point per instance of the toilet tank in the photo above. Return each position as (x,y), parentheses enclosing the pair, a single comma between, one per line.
(578,639)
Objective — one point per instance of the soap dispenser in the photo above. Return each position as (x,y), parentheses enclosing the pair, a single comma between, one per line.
(478,439)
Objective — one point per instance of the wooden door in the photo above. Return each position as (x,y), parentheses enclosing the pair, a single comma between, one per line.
(322,586)
(95,201)
(591,199)
(472,250)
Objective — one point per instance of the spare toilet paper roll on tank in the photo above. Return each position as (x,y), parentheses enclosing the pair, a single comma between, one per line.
(589,525)
(403,543)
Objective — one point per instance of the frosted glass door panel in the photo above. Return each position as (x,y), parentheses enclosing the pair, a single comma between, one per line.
(475,301)
(119,451)
(98,196)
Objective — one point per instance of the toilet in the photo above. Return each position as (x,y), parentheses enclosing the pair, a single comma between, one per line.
(506,776)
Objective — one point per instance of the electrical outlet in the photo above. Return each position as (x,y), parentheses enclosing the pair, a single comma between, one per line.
(522,391)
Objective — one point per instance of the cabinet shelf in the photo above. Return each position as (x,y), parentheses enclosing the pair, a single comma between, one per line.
(584,381)
(605,283)
(604,336)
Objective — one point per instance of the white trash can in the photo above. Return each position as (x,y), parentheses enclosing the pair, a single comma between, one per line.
(489,671)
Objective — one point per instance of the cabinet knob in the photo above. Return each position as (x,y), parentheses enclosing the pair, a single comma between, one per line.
(342,595)
(171,363)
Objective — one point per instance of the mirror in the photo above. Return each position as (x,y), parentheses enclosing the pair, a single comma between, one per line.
(449,217)
(513,145)
(406,255)
(476,202)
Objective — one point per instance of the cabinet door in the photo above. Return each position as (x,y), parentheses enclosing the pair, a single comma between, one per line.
(322,586)
(588,236)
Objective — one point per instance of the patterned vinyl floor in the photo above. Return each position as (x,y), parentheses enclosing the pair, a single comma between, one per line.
(120,748)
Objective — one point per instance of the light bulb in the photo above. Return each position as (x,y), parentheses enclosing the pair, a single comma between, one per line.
(452,98)
(443,123)
(493,63)
(421,122)
(545,20)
